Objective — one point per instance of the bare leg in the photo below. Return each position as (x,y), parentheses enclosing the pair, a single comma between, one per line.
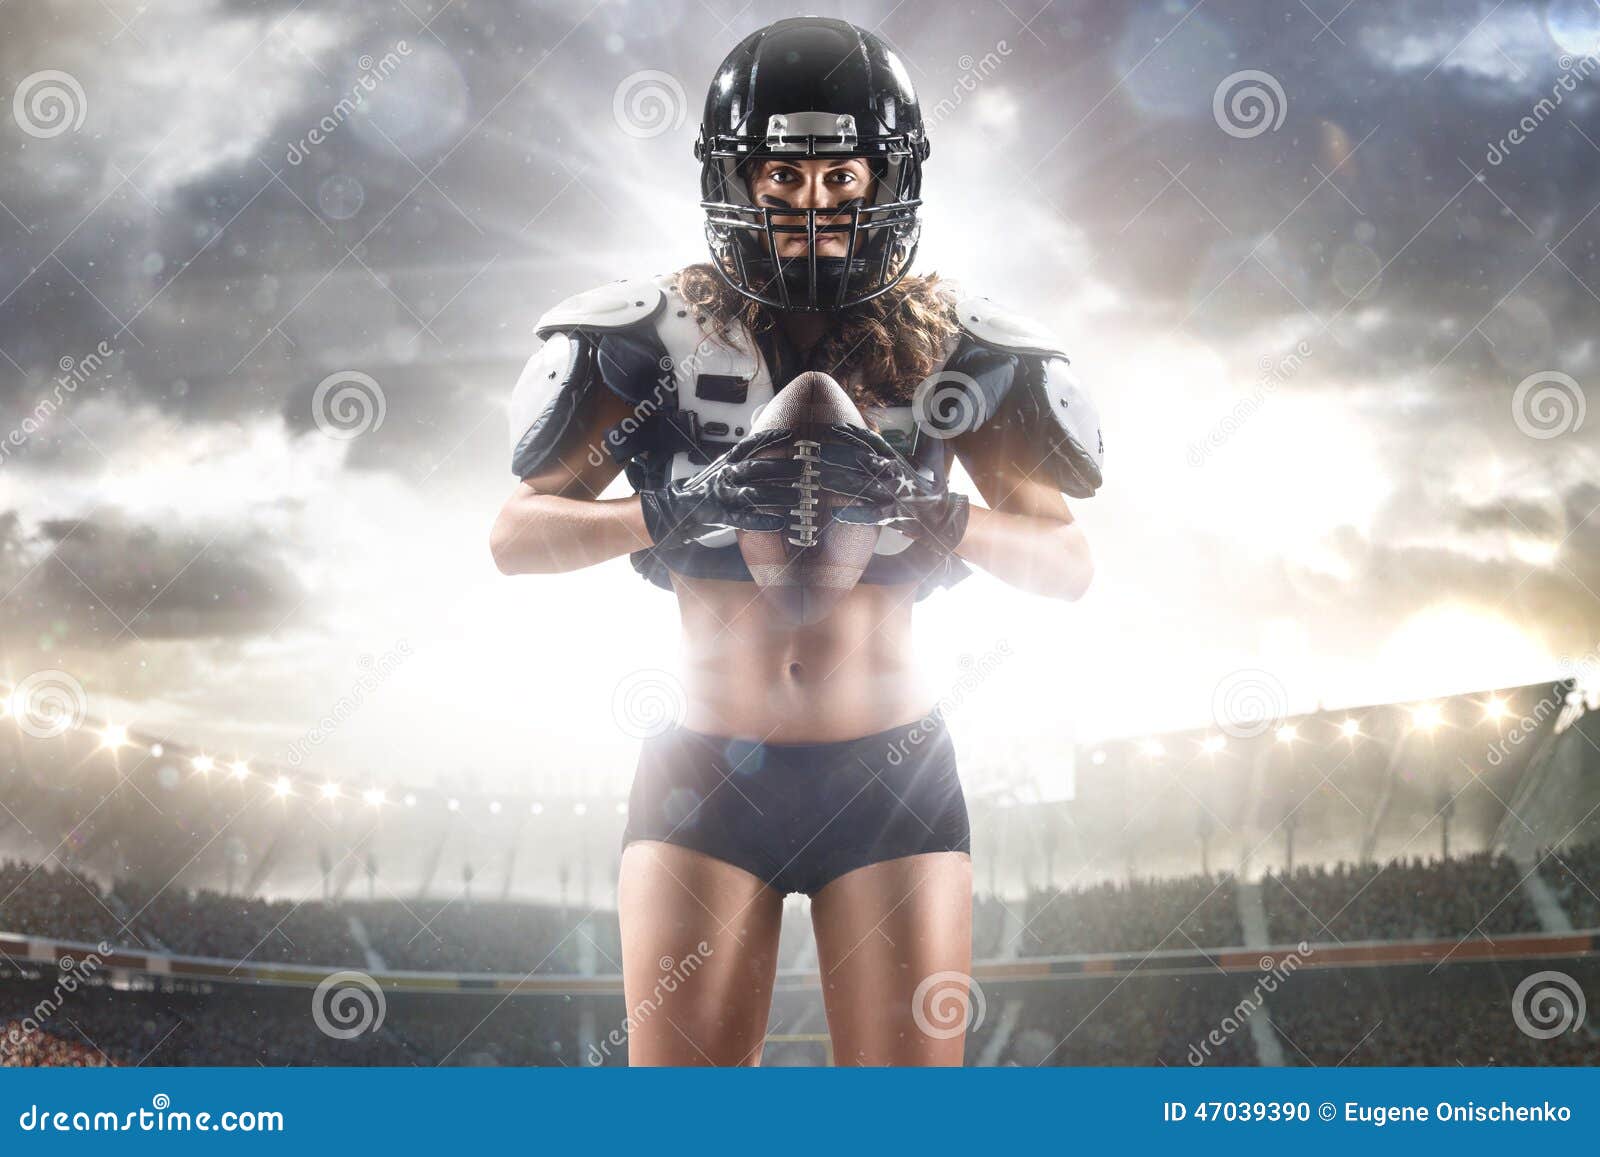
(699,954)
(882,932)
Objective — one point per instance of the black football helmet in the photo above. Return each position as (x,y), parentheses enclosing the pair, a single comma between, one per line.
(812,87)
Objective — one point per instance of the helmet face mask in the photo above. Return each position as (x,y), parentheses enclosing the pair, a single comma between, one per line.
(811,88)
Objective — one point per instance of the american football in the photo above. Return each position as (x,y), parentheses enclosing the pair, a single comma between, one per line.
(806,568)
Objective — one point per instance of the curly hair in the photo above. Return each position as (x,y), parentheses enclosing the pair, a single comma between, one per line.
(880,350)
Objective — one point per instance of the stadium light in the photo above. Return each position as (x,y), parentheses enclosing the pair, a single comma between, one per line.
(203,764)
(283,787)
(411,799)
(454,805)
(1153,748)
(494,808)
(374,797)
(1495,709)
(1288,733)
(1350,728)
(622,807)
(1213,744)
(1098,758)
(330,790)
(1426,717)
(157,750)
(241,770)
(537,808)
(114,736)
(580,809)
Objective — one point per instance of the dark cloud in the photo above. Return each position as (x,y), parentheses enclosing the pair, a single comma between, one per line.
(103,583)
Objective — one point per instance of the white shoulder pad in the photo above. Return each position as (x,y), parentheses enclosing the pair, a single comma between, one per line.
(544,401)
(995,325)
(1077,447)
(614,306)
(548,372)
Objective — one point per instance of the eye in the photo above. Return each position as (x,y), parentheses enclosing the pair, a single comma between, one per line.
(842,177)
(782,176)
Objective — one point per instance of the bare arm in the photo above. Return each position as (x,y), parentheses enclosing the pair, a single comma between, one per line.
(1027,536)
(554,520)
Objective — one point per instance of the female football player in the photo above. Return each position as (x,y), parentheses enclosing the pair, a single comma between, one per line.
(808,760)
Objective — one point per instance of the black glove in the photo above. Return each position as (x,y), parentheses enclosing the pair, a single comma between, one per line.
(735,490)
(896,496)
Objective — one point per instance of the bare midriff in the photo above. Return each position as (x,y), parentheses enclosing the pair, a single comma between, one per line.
(749,675)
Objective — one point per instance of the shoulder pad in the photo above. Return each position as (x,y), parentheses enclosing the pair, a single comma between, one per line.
(994,325)
(614,306)
(546,398)
(1075,448)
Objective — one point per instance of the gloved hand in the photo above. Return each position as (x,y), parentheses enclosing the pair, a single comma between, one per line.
(896,496)
(735,490)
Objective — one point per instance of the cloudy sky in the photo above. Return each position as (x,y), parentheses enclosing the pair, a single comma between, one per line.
(1330,269)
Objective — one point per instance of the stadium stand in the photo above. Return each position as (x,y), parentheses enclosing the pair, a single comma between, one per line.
(1139,959)
(1473,895)
(1139,914)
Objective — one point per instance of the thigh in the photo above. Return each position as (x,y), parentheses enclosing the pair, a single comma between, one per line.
(894,944)
(699,954)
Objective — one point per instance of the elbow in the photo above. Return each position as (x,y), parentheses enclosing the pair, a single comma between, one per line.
(503,540)
(1077,572)
(1077,584)
(499,550)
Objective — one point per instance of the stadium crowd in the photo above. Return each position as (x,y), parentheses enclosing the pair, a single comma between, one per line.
(24,1047)
(1382,1016)
(1133,916)
(48,900)
(1477,895)
(240,927)
(236,1026)
(1462,1014)
(1574,873)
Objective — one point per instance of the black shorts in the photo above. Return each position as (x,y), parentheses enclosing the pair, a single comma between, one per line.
(800,815)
